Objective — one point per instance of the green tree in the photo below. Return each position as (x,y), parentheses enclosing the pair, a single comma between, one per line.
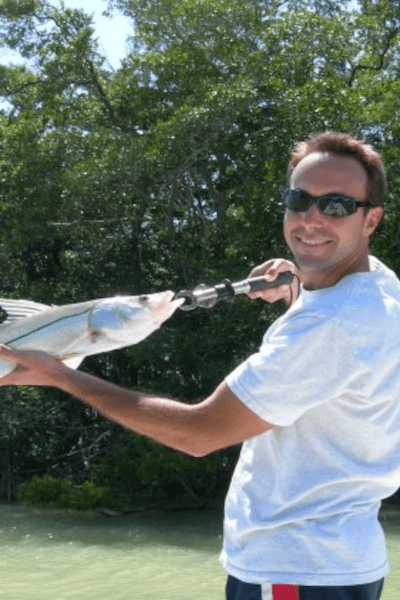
(168,172)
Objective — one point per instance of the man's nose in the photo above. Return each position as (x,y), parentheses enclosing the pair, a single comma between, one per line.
(313,215)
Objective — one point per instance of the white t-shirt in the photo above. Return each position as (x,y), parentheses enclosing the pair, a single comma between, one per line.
(303,502)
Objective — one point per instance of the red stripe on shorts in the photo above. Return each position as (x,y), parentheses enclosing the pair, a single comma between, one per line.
(285,592)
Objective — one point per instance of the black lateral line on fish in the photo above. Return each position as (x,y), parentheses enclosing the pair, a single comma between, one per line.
(48,325)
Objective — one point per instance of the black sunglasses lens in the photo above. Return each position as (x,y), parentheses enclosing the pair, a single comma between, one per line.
(297,200)
(337,206)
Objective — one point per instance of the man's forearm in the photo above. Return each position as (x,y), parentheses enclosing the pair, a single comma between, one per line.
(170,422)
(219,421)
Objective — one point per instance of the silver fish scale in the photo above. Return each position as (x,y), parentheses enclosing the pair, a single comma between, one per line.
(66,331)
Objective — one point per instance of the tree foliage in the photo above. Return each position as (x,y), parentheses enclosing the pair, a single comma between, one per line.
(167,172)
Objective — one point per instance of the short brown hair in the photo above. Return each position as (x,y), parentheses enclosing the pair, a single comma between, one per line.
(344,144)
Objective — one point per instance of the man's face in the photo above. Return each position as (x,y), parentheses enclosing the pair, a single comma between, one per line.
(326,248)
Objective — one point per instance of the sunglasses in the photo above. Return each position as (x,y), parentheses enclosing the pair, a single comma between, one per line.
(334,205)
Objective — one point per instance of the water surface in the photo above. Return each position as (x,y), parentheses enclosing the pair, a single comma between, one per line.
(54,555)
(50,555)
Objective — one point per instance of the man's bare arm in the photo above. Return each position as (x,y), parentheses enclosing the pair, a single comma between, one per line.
(219,421)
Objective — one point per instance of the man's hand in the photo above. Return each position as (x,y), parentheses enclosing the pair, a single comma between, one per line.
(219,421)
(271,269)
(33,368)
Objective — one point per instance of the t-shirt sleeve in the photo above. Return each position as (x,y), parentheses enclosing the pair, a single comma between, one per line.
(304,361)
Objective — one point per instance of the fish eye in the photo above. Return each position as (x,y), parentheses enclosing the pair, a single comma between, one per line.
(143,299)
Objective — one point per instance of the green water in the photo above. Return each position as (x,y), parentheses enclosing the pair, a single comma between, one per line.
(391,590)
(50,555)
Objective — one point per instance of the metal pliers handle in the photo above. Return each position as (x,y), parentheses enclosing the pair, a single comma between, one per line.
(204,296)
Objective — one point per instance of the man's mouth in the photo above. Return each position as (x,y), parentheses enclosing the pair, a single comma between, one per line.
(312,242)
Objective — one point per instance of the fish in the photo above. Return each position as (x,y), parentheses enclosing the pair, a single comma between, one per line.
(71,332)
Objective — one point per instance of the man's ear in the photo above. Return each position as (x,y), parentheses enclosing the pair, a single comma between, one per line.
(372,219)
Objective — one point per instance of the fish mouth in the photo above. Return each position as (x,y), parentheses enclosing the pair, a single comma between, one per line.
(165,303)
(160,296)
(177,302)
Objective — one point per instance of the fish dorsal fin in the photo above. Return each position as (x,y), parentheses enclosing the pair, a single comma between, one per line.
(12,310)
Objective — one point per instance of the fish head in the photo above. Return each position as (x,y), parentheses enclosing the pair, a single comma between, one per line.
(161,305)
(130,319)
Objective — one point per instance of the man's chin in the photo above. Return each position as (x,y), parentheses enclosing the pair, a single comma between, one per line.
(311,263)
(312,271)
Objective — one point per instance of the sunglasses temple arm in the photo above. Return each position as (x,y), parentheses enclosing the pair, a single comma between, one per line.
(205,297)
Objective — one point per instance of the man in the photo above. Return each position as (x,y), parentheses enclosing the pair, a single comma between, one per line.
(316,407)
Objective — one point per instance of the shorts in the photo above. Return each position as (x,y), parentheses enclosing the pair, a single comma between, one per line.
(238,590)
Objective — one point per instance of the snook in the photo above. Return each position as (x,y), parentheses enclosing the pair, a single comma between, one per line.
(73,331)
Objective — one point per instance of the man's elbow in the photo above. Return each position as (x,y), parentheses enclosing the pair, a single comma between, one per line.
(199,445)
(201,452)
(204,446)
(198,450)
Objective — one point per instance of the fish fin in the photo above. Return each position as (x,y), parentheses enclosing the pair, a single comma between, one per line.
(12,310)
(73,362)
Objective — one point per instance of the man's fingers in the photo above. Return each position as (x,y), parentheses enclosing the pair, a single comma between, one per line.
(28,358)
(8,353)
(282,292)
(270,270)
